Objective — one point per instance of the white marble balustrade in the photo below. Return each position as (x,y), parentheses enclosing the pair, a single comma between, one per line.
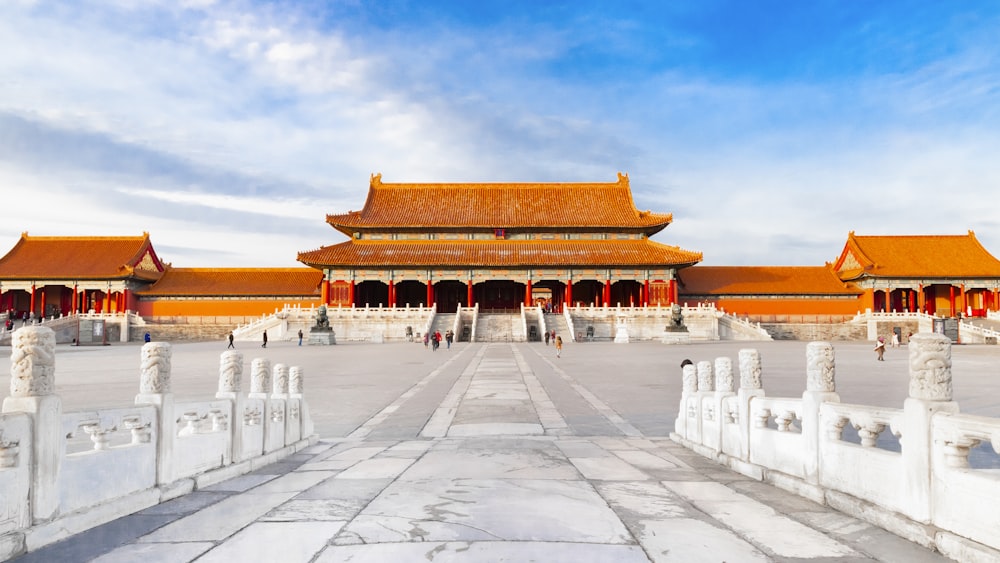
(924,489)
(62,473)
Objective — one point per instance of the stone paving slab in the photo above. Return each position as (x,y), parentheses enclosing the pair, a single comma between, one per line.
(518,484)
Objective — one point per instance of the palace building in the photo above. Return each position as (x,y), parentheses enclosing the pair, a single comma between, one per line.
(498,246)
(941,275)
(447,246)
(51,276)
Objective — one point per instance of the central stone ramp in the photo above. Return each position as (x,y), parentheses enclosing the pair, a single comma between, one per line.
(497,395)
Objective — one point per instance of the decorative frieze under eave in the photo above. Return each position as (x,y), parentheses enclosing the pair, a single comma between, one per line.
(478,275)
(80,285)
(882,284)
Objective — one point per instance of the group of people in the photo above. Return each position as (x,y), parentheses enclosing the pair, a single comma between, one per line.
(556,339)
(433,339)
(880,345)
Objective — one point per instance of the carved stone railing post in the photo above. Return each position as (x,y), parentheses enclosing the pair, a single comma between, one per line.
(689,391)
(930,393)
(750,387)
(230,387)
(260,388)
(279,401)
(821,387)
(724,388)
(32,391)
(154,389)
(296,384)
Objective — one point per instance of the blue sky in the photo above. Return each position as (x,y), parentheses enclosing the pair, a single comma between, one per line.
(228,130)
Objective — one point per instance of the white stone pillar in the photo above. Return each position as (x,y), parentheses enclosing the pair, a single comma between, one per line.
(296,383)
(724,386)
(230,386)
(279,402)
(750,387)
(154,389)
(689,393)
(260,386)
(32,391)
(706,384)
(930,393)
(821,387)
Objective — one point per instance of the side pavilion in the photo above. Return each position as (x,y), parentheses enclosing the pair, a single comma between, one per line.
(498,246)
(50,276)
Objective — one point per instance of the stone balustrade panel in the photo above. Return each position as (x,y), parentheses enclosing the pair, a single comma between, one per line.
(274,424)
(252,428)
(965,498)
(203,440)
(15,472)
(107,454)
(864,471)
(775,435)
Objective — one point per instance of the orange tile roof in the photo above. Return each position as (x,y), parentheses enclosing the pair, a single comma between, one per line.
(937,256)
(762,280)
(209,282)
(489,206)
(78,258)
(498,253)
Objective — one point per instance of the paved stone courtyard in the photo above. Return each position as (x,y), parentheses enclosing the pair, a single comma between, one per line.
(496,452)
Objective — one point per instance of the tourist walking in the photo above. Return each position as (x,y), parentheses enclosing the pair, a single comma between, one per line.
(546,338)
(231,341)
(880,348)
(300,337)
(448,337)
(559,346)
(895,340)
(264,345)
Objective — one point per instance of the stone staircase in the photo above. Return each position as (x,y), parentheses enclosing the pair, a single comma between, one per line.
(557,322)
(443,322)
(499,327)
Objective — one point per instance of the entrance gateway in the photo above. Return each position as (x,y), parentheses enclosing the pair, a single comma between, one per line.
(499,246)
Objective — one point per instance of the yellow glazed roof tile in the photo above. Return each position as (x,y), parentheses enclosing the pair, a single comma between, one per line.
(925,256)
(763,280)
(497,205)
(207,282)
(52,258)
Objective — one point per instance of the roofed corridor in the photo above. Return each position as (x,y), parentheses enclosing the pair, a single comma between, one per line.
(487,452)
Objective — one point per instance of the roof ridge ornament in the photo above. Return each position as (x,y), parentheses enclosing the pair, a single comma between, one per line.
(376,180)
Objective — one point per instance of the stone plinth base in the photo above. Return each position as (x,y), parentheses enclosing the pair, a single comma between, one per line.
(675,338)
(621,336)
(324,338)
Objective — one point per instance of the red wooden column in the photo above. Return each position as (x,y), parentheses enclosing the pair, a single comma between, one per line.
(527,294)
(607,292)
(645,293)
(75,299)
(951,299)
(430,292)
(913,300)
(32,306)
(469,299)
(569,292)
(107,302)
(392,294)
(350,293)
(324,292)
(124,299)
(965,299)
(41,313)
(671,291)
